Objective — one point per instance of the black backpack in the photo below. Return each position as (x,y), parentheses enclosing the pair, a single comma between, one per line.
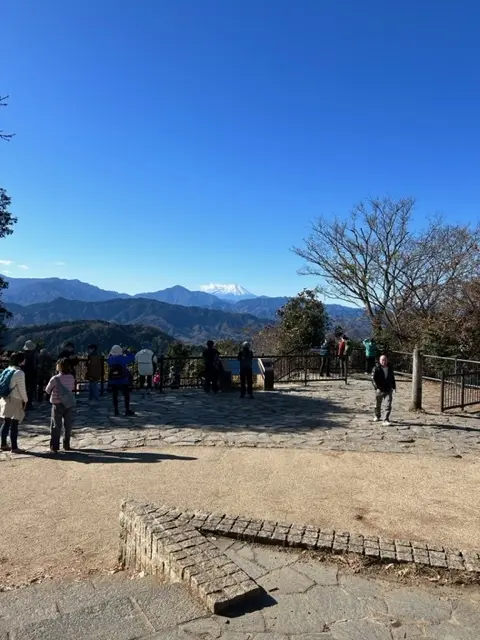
(117,372)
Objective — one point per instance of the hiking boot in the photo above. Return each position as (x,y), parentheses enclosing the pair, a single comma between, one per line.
(5,447)
(53,450)
(129,412)
(17,450)
(376,419)
(116,413)
(66,447)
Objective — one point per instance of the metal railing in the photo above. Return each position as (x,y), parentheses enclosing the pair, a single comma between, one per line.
(308,367)
(460,390)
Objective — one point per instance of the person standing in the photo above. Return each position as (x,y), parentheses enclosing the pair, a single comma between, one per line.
(370,354)
(324,353)
(146,364)
(245,357)
(94,372)
(342,354)
(30,369)
(44,373)
(384,383)
(118,378)
(61,389)
(13,402)
(210,360)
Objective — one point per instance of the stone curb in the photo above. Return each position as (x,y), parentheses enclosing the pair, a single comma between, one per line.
(328,540)
(163,540)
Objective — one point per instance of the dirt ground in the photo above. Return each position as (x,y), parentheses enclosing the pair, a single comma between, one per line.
(60,517)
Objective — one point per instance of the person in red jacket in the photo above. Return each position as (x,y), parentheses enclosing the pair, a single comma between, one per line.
(343,353)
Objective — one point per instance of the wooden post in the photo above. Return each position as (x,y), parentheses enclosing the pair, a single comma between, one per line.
(417,375)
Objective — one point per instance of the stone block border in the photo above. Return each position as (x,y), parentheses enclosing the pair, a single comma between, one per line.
(163,540)
(326,540)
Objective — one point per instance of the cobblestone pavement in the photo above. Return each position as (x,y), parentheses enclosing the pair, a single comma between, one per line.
(324,415)
(304,599)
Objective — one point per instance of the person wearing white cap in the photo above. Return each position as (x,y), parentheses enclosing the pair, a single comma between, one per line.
(30,369)
(118,378)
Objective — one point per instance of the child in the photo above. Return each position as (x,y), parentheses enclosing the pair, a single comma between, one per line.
(13,403)
(63,401)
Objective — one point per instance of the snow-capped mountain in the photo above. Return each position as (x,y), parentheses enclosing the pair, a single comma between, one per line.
(227,291)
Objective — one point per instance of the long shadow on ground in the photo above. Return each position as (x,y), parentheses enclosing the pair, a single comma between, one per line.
(280,412)
(89,456)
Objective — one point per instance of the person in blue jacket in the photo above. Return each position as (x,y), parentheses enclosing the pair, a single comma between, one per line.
(118,377)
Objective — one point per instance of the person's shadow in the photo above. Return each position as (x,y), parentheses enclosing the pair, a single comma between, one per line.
(88,456)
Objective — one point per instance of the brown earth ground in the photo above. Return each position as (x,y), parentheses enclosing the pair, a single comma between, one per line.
(60,517)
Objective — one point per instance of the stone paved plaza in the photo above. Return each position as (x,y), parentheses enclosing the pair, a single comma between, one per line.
(304,599)
(324,415)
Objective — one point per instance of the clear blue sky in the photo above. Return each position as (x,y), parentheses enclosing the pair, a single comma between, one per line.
(189,141)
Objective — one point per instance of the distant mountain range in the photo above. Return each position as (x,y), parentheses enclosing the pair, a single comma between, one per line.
(44,300)
(190,324)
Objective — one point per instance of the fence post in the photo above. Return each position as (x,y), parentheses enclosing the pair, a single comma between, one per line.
(442,393)
(102,381)
(417,375)
(162,371)
(306,369)
(462,391)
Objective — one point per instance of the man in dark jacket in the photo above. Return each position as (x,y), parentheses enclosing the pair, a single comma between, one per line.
(210,361)
(245,357)
(44,372)
(68,353)
(383,380)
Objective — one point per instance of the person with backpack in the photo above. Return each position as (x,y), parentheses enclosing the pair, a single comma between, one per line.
(13,400)
(344,350)
(62,396)
(118,377)
(146,364)
(245,357)
(94,373)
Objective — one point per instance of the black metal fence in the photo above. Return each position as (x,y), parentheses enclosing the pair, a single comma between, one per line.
(308,367)
(460,390)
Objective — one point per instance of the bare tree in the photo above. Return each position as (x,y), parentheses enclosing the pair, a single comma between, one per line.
(374,258)
(3,135)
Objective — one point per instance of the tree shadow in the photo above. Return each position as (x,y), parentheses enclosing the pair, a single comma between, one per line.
(280,411)
(455,427)
(89,456)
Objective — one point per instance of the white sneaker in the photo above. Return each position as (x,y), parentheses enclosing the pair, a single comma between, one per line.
(386,423)
(376,419)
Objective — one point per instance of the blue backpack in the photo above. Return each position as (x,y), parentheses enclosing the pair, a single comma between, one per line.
(5,380)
